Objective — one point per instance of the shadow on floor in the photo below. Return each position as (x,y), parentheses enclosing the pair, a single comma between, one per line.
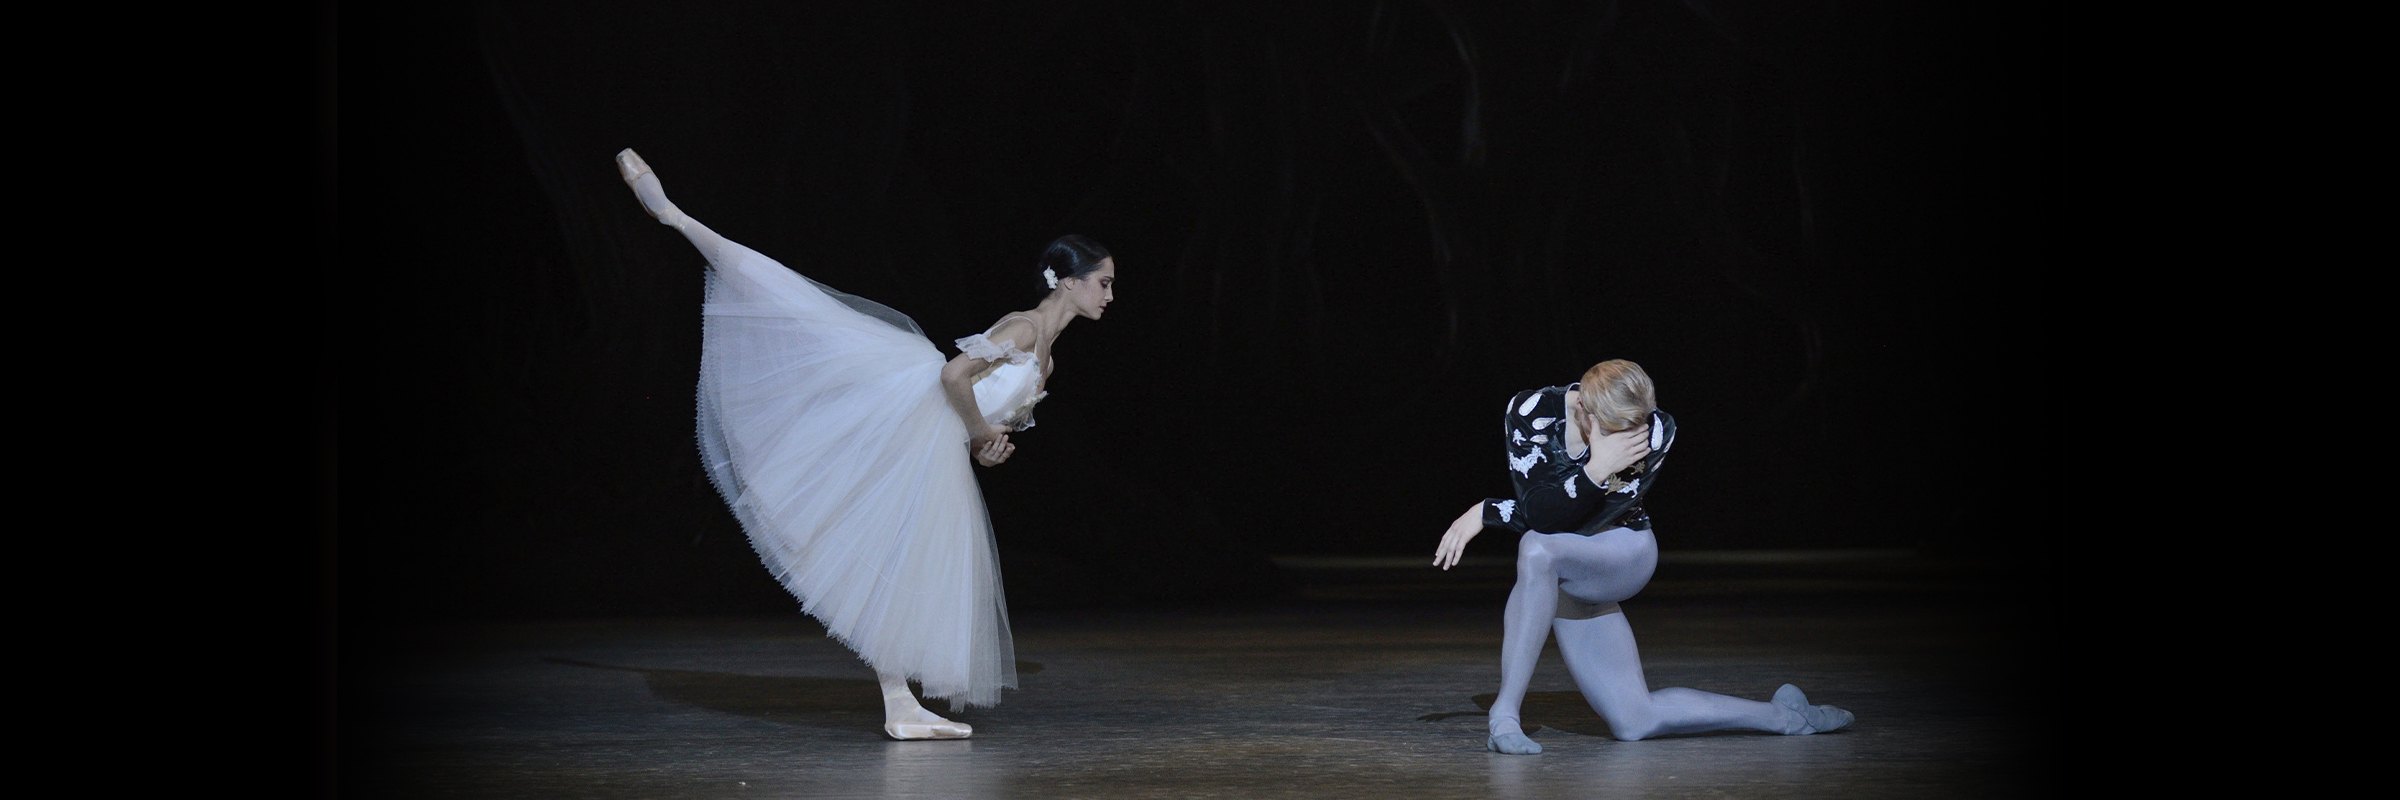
(1565,711)
(850,703)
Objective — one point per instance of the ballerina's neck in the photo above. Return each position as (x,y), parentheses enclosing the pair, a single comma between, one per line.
(1048,319)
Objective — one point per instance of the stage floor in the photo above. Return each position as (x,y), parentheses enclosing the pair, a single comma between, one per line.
(1361,688)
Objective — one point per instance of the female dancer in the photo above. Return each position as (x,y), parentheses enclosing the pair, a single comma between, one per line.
(1584,456)
(840,438)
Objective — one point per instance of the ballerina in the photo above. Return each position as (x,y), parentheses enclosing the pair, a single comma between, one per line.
(840,437)
(1592,486)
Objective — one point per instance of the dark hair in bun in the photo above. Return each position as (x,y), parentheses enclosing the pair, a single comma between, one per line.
(1072,256)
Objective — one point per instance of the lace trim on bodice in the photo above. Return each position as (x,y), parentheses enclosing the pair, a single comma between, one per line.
(982,346)
(1007,390)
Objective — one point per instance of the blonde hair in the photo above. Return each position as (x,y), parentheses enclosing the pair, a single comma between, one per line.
(1619,393)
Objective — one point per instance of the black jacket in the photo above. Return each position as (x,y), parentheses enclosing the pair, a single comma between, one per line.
(1553,494)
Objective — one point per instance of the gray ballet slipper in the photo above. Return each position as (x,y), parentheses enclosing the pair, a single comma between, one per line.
(1815,719)
(1514,744)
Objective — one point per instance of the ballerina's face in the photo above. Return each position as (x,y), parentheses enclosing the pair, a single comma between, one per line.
(1092,293)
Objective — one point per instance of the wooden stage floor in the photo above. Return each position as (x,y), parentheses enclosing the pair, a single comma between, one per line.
(1369,682)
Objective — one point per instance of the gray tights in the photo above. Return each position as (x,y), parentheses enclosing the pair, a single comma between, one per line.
(1570,584)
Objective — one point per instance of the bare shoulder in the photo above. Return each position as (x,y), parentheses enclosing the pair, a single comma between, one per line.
(1017,329)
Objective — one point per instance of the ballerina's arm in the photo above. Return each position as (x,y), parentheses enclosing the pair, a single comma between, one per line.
(990,441)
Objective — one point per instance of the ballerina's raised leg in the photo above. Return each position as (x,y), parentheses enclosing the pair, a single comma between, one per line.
(1592,574)
(646,188)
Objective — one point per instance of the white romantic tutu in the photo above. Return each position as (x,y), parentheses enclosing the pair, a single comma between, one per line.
(824,426)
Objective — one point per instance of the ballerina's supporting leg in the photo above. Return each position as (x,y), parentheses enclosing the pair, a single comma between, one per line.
(904,718)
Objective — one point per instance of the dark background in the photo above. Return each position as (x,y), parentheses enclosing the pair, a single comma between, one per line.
(1345,233)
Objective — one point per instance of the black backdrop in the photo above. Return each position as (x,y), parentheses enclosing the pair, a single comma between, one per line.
(1346,232)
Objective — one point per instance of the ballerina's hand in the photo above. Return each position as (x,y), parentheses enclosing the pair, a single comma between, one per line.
(994,450)
(1454,541)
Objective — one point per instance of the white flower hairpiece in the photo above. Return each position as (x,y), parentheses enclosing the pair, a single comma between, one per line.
(1052,277)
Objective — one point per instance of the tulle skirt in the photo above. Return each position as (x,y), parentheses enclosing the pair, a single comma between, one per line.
(824,426)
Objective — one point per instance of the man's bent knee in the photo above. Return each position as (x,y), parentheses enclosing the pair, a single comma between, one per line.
(1532,552)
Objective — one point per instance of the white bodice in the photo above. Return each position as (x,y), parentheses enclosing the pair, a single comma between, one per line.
(1006,392)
